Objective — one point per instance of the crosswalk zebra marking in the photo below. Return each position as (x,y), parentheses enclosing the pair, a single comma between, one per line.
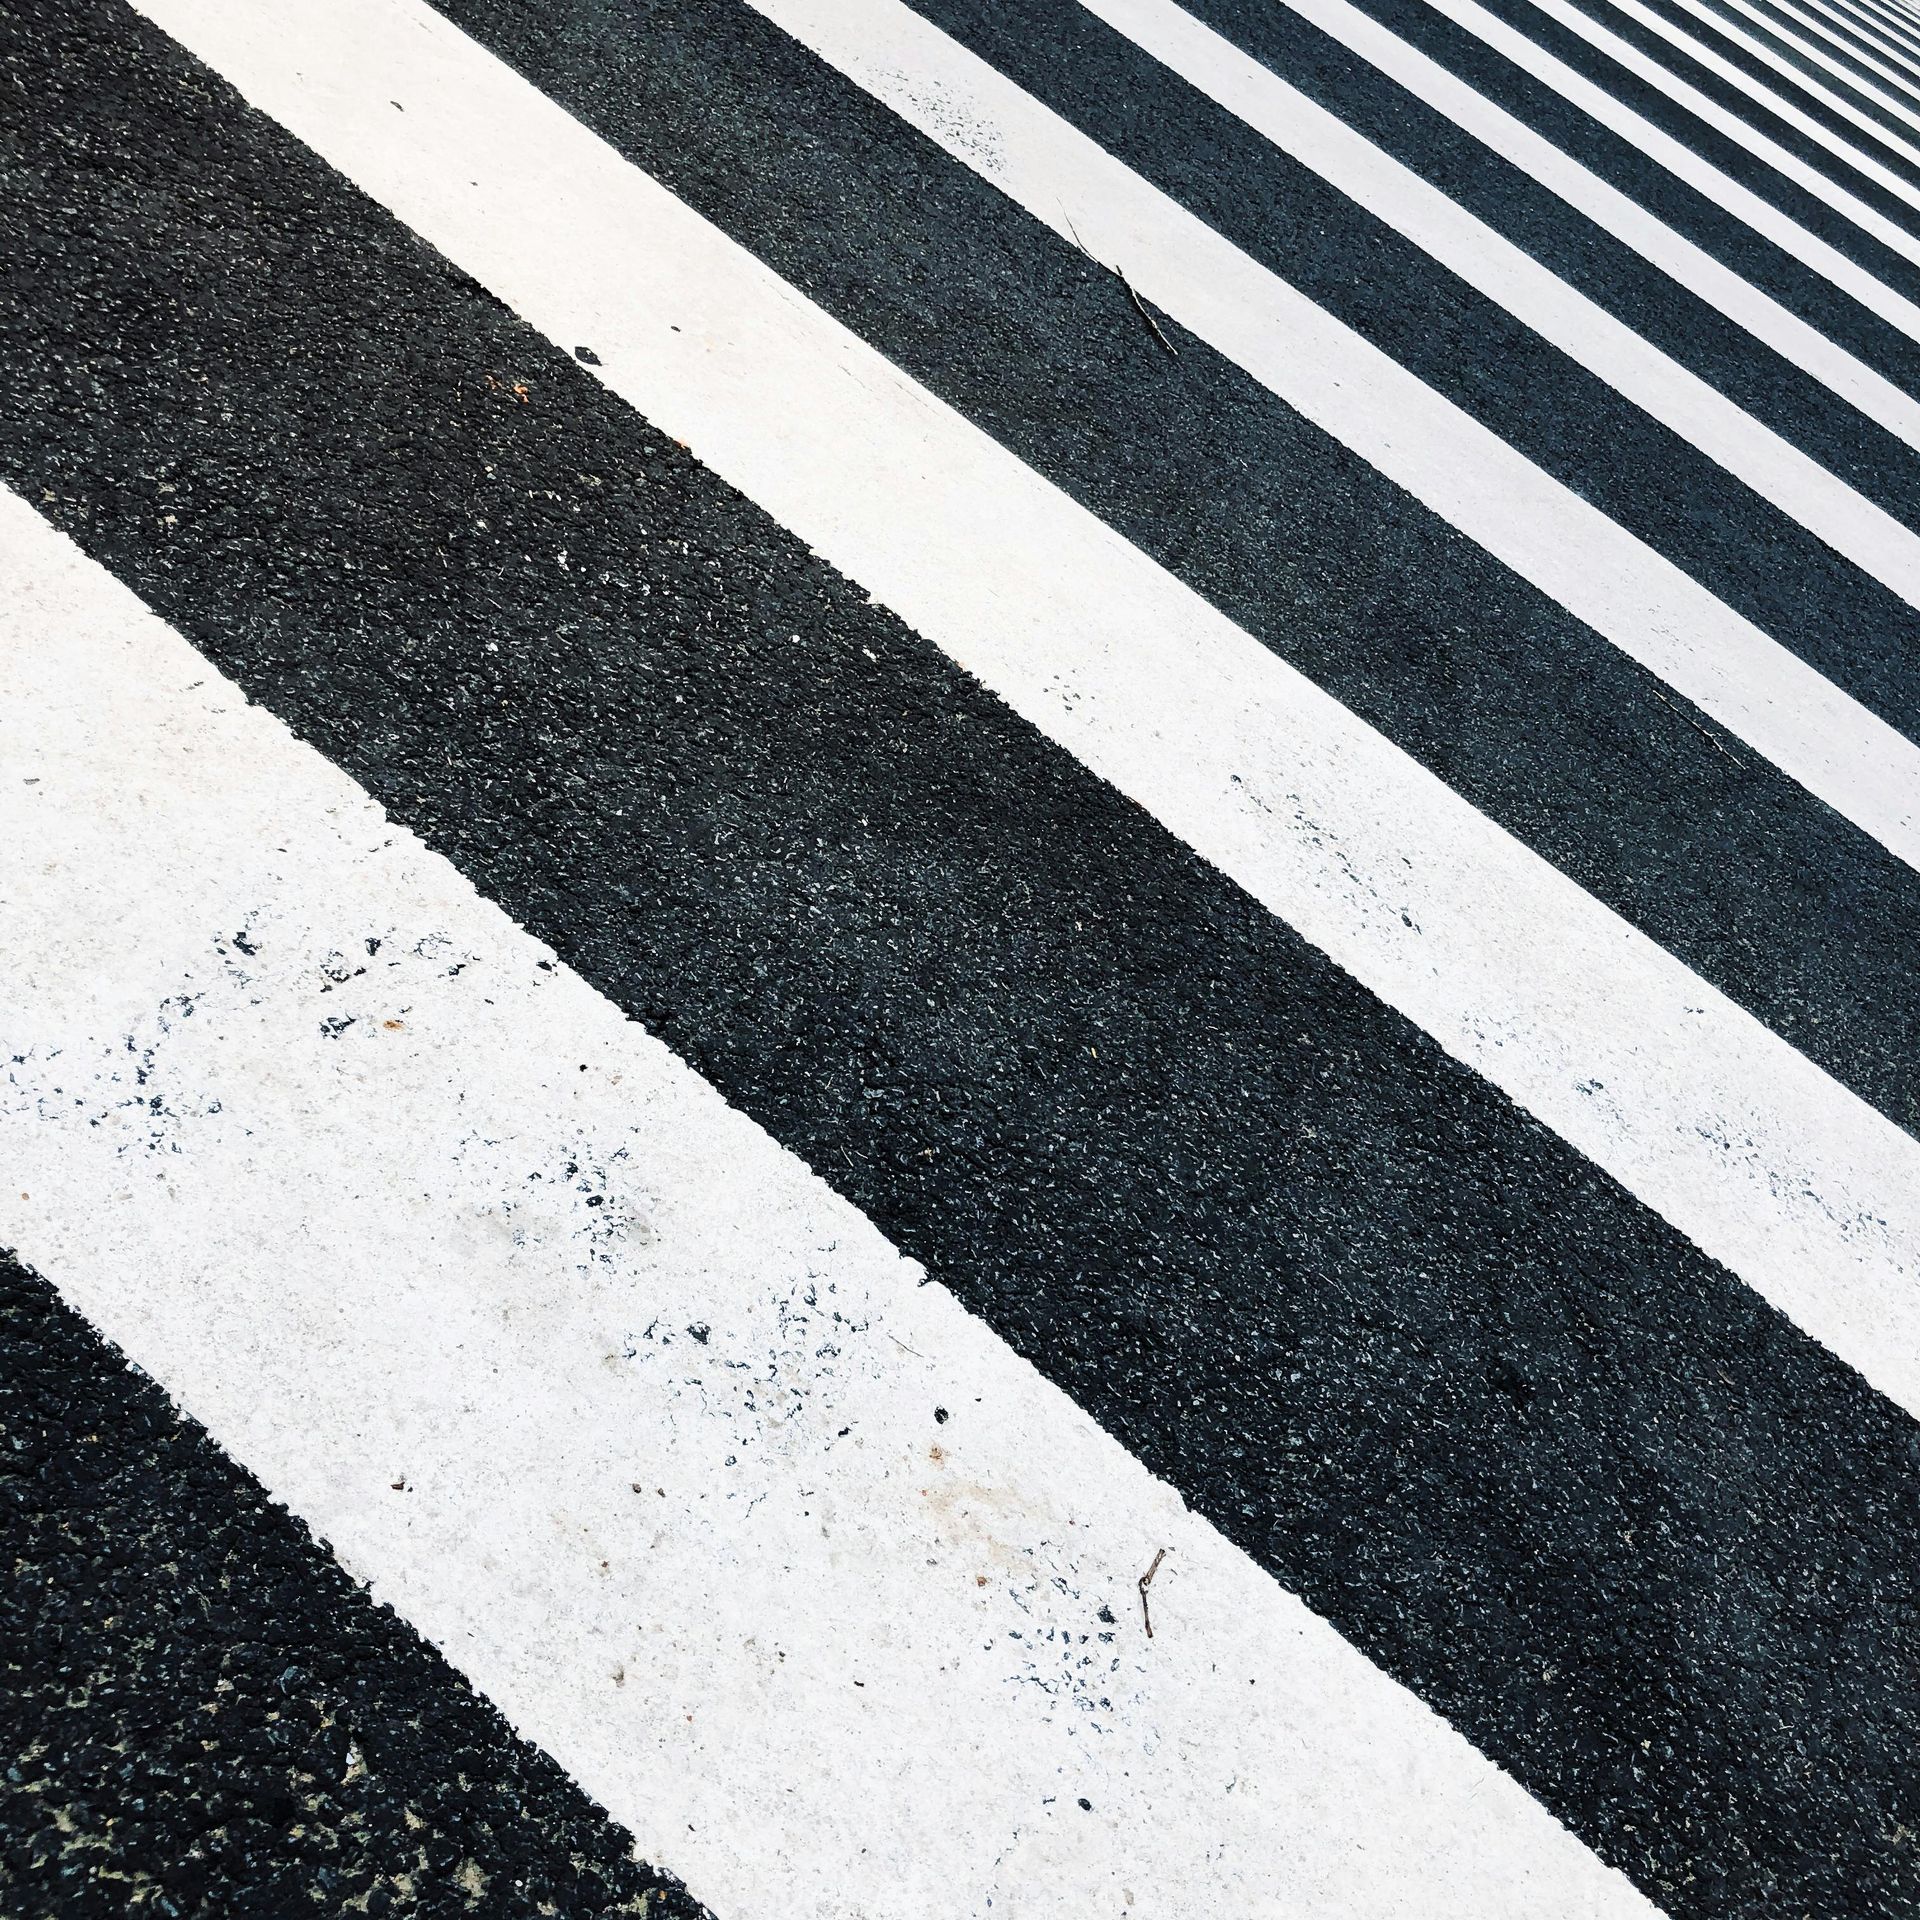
(1664,389)
(1724,192)
(1848,69)
(1770,99)
(1735,127)
(1618,214)
(1883,29)
(1792,1181)
(629,1413)
(1587,563)
(1717,1460)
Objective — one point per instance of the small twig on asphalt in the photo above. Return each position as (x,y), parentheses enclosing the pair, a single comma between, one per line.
(1146,1580)
(1141,306)
(1704,732)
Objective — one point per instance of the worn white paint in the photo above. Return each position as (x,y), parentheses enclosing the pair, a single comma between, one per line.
(823,1654)
(1774,1169)
(1486,260)
(1687,264)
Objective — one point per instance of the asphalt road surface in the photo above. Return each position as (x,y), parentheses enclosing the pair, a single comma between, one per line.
(960,959)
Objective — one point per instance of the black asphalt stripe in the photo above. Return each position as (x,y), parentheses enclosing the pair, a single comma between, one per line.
(1545,726)
(1870,28)
(1863,86)
(1781,87)
(1566,420)
(1869,31)
(1644,1543)
(1612,275)
(1684,125)
(1800,288)
(207,1718)
(1847,41)
(1901,35)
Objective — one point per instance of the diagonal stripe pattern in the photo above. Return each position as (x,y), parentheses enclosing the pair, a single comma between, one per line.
(974,1169)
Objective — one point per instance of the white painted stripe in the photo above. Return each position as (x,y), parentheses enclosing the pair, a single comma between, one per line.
(1895,139)
(1648,607)
(1508,275)
(1890,26)
(1775,103)
(1690,266)
(817,1667)
(1753,211)
(1874,24)
(1833,52)
(1768,1164)
(1862,29)
(1889,233)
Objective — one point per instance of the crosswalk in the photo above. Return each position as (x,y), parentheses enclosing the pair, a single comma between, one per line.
(998,921)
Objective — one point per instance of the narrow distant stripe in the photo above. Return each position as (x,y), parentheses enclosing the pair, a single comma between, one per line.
(1314,814)
(1620,216)
(1775,89)
(1648,607)
(1832,52)
(1754,211)
(798,1569)
(1890,233)
(1847,38)
(1890,27)
(1771,101)
(1651,180)
(1586,332)
(1866,39)
(1605,450)
(1872,26)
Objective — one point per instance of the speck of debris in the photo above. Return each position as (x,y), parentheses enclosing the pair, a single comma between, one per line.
(942,1415)
(701,1331)
(588,355)
(1086,1806)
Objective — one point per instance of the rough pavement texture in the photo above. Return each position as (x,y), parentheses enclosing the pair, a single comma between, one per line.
(209,1718)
